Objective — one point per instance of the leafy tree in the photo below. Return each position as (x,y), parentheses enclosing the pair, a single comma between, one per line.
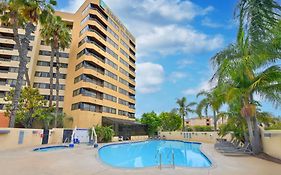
(170,121)
(184,109)
(23,14)
(152,121)
(56,34)
(31,106)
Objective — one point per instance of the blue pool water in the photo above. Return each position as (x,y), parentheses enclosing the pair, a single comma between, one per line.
(50,148)
(147,154)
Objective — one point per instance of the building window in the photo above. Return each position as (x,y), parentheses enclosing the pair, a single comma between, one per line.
(125,45)
(111,63)
(113,24)
(109,51)
(112,33)
(48,53)
(85,107)
(123,91)
(110,74)
(47,74)
(47,64)
(109,110)
(123,102)
(124,62)
(111,42)
(109,97)
(47,86)
(124,53)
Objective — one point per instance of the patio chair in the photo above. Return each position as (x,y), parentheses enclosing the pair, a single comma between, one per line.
(242,151)
(245,147)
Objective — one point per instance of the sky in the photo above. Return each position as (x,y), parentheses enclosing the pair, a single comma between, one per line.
(175,41)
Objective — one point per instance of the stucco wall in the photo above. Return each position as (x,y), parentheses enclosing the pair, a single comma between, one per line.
(10,140)
(271,140)
(206,137)
(55,136)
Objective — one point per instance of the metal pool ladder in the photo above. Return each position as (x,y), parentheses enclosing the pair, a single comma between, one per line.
(170,155)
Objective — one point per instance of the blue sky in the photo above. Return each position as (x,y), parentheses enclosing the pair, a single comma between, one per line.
(175,41)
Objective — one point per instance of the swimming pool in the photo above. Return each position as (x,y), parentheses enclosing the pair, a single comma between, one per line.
(50,148)
(148,153)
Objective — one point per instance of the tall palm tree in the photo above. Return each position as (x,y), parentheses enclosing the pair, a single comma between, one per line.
(257,18)
(214,100)
(184,109)
(244,73)
(23,14)
(247,67)
(57,35)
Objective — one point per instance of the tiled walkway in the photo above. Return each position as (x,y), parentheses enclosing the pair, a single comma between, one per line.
(83,160)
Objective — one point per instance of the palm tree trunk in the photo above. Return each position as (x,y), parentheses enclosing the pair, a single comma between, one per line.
(250,130)
(183,123)
(257,146)
(27,78)
(57,85)
(51,76)
(257,142)
(215,120)
(22,46)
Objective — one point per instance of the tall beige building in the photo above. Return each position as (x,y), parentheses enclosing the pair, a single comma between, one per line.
(97,80)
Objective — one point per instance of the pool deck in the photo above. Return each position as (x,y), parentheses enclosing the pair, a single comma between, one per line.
(83,160)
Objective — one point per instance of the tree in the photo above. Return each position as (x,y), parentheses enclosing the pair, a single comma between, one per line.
(170,121)
(211,99)
(32,106)
(184,109)
(23,14)
(245,71)
(152,121)
(56,34)
(247,67)
(104,133)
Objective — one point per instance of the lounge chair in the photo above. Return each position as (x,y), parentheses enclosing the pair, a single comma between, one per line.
(232,144)
(240,151)
(245,148)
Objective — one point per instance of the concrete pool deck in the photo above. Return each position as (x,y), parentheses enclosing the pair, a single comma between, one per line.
(83,160)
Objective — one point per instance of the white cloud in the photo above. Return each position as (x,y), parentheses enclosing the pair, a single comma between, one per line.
(204,85)
(73,5)
(207,22)
(176,9)
(175,76)
(170,39)
(150,76)
(184,63)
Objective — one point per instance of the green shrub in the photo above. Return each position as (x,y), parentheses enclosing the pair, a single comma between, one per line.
(104,133)
(202,128)
(276,126)
(188,129)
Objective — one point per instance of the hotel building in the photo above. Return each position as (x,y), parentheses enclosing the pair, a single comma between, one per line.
(97,80)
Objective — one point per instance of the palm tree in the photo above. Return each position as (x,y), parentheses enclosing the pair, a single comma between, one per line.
(184,109)
(23,14)
(257,17)
(211,99)
(57,35)
(247,67)
(244,73)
